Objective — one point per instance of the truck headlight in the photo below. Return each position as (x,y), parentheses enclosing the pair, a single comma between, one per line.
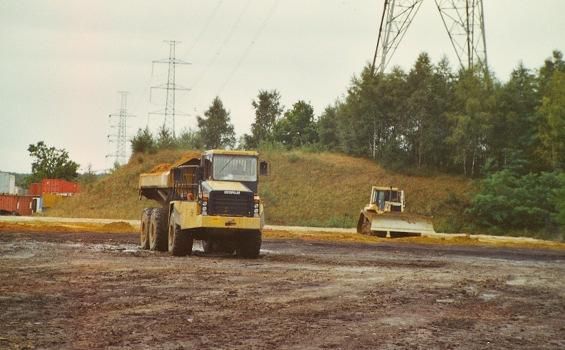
(204,207)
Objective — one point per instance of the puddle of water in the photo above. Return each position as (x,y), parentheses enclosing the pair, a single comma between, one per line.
(488,296)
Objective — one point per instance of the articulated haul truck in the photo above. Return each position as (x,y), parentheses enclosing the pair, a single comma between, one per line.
(210,197)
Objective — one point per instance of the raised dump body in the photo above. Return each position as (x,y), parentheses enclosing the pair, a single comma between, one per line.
(211,197)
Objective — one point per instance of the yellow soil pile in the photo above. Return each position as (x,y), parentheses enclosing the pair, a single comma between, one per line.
(511,242)
(161,168)
(47,227)
(185,157)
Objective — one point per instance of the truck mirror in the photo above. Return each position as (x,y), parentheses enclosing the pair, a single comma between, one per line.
(264,168)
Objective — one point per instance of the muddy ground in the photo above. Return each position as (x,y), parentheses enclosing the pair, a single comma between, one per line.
(87,291)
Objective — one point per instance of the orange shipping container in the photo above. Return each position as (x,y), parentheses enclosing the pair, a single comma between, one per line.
(58,186)
(34,189)
(19,205)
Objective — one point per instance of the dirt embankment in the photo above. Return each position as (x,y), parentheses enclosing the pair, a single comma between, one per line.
(302,189)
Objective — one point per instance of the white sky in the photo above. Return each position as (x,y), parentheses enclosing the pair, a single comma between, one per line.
(62,62)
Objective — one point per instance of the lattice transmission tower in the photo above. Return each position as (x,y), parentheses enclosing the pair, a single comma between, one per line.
(120,136)
(169,112)
(462,19)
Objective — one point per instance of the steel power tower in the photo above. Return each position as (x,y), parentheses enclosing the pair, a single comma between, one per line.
(120,137)
(462,19)
(171,88)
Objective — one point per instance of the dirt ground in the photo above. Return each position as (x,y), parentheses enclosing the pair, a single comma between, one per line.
(94,290)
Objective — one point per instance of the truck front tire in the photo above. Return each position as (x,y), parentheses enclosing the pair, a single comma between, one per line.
(249,246)
(158,230)
(180,243)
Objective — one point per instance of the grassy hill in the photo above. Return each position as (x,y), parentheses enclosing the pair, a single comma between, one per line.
(310,189)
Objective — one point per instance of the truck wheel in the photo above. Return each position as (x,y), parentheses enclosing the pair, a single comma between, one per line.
(158,230)
(144,231)
(180,243)
(249,246)
(209,246)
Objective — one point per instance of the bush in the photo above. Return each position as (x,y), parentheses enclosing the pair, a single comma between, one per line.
(143,142)
(293,157)
(509,200)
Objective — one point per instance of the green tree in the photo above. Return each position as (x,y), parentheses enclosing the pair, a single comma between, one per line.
(51,163)
(190,139)
(470,121)
(297,127)
(143,142)
(327,128)
(511,134)
(215,128)
(165,139)
(267,110)
(551,65)
(559,200)
(552,128)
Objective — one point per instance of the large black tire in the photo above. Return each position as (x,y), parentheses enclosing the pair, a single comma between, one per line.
(144,230)
(180,243)
(158,230)
(248,246)
(209,246)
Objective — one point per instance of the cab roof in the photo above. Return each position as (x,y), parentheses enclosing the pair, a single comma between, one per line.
(385,188)
(232,152)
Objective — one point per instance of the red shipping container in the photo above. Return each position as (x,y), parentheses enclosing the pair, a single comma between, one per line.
(58,186)
(34,189)
(10,204)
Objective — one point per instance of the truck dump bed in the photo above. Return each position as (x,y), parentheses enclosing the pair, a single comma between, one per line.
(161,182)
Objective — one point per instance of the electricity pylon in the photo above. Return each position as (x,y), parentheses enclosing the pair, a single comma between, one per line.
(463,20)
(171,88)
(120,137)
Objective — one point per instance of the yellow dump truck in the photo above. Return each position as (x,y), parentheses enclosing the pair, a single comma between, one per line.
(210,197)
(384,216)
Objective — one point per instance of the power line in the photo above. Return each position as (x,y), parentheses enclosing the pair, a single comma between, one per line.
(170,112)
(120,137)
(204,28)
(222,45)
(248,48)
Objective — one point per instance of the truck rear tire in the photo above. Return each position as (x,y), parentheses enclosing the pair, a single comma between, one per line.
(144,230)
(158,230)
(248,246)
(180,243)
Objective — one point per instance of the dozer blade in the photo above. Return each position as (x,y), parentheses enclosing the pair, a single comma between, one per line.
(401,225)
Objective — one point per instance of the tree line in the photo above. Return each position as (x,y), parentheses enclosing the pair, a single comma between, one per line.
(463,122)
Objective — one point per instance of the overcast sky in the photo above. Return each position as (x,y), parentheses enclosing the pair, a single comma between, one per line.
(62,62)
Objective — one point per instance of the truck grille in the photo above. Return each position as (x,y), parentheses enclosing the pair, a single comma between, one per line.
(220,203)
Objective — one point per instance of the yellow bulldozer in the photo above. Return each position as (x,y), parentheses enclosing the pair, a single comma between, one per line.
(384,216)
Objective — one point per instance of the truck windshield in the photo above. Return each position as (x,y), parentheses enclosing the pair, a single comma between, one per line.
(235,168)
